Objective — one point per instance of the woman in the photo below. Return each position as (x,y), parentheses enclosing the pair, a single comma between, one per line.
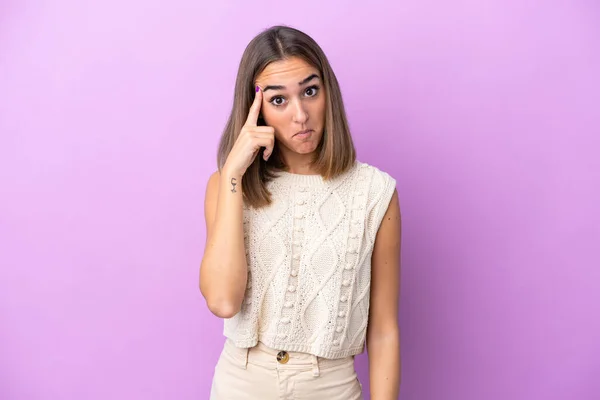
(303,241)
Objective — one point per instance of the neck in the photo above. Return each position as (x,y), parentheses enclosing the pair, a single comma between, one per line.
(300,164)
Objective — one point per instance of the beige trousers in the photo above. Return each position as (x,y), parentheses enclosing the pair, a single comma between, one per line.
(262,373)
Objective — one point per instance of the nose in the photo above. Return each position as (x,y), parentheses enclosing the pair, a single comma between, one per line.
(300,115)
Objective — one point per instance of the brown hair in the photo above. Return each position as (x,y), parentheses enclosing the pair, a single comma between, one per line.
(334,155)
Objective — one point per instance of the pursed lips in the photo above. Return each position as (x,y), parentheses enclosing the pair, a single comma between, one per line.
(301,132)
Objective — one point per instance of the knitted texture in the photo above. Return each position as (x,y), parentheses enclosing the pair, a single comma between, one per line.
(309,263)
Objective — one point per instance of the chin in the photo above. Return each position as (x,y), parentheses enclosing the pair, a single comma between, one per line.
(306,151)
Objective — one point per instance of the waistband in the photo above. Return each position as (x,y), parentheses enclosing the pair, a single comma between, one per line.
(267,357)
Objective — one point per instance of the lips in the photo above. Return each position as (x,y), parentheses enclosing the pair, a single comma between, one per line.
(301,132)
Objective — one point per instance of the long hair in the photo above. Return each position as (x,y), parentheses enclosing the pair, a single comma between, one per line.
(335,153)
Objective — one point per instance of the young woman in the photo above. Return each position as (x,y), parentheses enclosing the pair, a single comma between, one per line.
(302,258)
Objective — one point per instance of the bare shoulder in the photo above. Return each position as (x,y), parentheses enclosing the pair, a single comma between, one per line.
(393,216)
(212,187)
(213,181)
(390,231)
(210,200)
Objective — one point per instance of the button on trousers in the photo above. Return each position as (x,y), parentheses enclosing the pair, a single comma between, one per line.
(262,373)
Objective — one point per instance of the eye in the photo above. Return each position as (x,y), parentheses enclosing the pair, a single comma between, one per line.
(311,91)
(277,101)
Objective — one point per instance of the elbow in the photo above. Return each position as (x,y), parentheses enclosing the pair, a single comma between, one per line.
(223,309)
(223,299)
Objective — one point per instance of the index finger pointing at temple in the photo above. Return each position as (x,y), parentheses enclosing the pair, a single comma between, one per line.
(255,108)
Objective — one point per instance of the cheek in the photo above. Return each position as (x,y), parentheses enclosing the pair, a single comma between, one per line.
(275,120)
(318,106)
(272,118)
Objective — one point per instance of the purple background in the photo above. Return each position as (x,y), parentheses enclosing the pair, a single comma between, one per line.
(486,113)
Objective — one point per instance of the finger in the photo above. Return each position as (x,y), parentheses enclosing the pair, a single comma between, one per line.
(265,142)
(262,129)
(267,154)
(255,108)
(268,142)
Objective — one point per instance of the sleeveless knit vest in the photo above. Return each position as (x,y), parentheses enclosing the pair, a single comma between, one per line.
(309,263)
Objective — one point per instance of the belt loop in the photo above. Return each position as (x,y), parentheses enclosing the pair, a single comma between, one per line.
(315,365)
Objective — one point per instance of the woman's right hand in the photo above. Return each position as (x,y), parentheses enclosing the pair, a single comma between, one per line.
(250,140)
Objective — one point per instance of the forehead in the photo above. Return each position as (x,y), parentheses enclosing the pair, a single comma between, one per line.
(287,72)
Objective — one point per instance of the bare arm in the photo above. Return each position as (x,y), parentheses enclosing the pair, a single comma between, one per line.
(383,333)
(223,272)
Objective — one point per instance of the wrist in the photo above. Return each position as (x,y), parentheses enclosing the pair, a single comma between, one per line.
(228,174)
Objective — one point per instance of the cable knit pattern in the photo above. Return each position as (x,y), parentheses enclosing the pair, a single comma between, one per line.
(309,263)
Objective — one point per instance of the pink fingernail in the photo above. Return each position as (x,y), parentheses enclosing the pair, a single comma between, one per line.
(257,88)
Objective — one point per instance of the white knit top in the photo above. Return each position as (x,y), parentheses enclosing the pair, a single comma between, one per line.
(309,263)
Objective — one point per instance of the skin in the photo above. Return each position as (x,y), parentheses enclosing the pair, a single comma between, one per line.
(383,332)
(295,107)
(290,108)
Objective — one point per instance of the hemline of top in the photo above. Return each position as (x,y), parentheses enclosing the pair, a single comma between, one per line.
(297,347)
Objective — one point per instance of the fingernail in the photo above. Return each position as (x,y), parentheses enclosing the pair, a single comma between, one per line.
(257,88)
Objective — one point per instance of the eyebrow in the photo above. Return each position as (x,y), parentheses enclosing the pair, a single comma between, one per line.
(281,87)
